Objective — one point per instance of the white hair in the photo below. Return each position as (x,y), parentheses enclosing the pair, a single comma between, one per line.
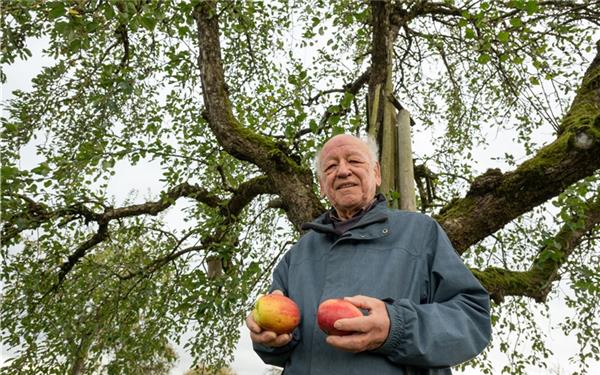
(371,146)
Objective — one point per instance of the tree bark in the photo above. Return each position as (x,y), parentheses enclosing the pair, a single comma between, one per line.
(497,198)
(537,281)
(494,199)
(379,63)
(292,182)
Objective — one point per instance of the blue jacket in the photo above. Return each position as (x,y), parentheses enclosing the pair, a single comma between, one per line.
(439,312)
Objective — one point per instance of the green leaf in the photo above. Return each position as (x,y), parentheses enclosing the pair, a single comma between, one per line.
(10,127)
(302,75)
(57,10)
(108,164)
(518,4)
(334,120)
(42,169)
(347,100)
(91,26)
(516,22)
(484,58)
(469,33)
(8,172)
(75,45)
(532,7)
(338,129)
(148,22)
(109,12)
(503,36)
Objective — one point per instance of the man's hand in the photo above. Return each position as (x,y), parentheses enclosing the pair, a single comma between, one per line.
(268,338)
(371,331)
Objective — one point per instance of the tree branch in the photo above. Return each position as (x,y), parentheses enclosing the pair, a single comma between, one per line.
(80,252)
(243,195)
(246,192)
(495,198)
(351,88)
(35,214)
(291,181)
(537,281)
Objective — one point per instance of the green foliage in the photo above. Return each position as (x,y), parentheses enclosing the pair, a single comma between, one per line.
(123,91)
(99,307)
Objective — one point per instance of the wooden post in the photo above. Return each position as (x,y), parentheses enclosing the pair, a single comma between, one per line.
(406,174)
(388,148)
(373,128)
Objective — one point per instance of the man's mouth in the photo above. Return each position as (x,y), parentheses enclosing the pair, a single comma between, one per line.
(345,186)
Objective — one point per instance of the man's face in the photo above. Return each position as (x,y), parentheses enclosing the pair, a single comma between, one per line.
(349,178)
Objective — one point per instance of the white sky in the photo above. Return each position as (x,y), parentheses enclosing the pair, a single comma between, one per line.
(145,179)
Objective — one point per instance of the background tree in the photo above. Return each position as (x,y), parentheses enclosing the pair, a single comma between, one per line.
(202,370)
(274,371)
(230,100)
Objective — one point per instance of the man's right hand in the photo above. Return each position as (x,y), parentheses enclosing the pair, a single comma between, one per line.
(267,338)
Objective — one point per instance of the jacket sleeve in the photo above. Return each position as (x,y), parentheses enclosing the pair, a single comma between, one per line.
(279,356)
(453,326)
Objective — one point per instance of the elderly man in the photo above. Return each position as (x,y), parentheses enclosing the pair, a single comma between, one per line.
(424,309)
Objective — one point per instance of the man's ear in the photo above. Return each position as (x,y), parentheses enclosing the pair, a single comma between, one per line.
(377,174)
(321,188)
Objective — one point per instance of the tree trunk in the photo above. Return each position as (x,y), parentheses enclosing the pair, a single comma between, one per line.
(78,367)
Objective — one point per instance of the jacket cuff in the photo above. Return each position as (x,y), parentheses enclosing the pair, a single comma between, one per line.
(396,329)
(271,350)
(277,356)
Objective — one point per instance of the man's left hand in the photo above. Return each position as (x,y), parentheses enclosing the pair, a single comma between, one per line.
(370,331)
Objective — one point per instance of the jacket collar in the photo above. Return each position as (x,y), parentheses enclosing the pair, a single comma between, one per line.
(377,214)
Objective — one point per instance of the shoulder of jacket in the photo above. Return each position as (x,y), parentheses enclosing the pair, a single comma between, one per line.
(409,215)
(308,236)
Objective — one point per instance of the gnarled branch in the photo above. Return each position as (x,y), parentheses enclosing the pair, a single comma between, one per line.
(291,181)
(35,214)
(537,281)
(497,198)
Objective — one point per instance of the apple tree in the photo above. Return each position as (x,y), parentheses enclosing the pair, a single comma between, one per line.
(222,105)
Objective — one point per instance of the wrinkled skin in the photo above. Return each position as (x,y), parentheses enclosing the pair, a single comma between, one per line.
(349,177)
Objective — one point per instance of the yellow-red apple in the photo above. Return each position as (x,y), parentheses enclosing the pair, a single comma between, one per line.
(333,309)
(277,313)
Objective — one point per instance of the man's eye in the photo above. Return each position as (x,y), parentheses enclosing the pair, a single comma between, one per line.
(354,161)
(329,167)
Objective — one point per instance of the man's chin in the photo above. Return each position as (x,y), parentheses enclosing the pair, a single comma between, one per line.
(348,201)
(348,205)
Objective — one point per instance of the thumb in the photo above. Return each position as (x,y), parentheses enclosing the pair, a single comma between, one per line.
(277,291)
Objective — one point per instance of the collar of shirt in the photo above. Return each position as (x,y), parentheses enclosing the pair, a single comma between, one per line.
(341,226)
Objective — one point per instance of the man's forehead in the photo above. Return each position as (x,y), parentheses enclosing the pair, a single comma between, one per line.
(345,143)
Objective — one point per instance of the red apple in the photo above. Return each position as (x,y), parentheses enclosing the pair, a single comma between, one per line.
(277,313)
(333,309)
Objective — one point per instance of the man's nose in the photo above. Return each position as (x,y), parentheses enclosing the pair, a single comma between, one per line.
(343,169)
